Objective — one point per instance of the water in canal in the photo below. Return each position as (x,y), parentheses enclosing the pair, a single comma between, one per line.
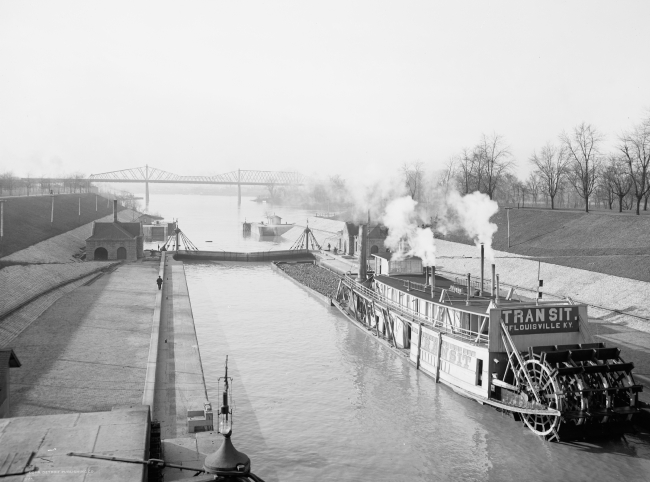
(319,399)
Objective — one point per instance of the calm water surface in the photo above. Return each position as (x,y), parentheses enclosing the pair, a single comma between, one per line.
(319,399)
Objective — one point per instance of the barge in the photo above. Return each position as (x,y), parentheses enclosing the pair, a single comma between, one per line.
(534,360)
(273,227)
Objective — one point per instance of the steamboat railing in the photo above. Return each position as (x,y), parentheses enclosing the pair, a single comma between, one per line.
(441,322)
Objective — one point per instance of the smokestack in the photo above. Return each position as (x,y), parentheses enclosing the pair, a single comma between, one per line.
(482,267)
(497,295)
(469,282)
(433,281)
(114,210)
(494,270)
(362,253)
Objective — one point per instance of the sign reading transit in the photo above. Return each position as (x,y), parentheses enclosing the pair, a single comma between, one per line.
(537,320)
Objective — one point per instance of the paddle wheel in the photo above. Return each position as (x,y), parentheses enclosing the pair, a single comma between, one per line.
(589,384)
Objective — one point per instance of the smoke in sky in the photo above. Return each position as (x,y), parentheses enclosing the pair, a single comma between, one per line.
(450,212)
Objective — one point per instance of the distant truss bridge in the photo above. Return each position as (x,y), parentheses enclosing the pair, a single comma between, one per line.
(239,177)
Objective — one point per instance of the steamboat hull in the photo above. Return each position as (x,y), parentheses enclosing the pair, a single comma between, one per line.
(535,362)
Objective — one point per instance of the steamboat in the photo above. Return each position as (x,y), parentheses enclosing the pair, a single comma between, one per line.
(536,361)
(273,227)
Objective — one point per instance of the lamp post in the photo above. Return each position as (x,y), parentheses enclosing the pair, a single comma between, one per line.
(227,462)
(508,215)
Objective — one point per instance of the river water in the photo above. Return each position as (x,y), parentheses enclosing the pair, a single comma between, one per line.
(319,399)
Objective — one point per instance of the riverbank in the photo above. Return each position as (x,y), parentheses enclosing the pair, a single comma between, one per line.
(28,220)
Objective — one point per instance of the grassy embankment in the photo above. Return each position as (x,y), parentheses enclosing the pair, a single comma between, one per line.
(612,244)
(27,219)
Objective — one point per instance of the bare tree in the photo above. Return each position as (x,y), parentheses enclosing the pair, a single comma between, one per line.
(635,146)
(582,146)
(618,178)
(447,176)
(466,171)
(413,173)
(7,182)
(533,186)
(495,160)
(551,166)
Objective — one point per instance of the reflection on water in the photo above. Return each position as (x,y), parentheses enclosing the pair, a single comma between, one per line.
(319,399)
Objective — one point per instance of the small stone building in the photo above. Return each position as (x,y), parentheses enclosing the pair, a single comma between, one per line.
(348,242)
(113,241)
(8,359)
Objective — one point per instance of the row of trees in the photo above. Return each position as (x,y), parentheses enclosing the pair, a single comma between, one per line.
(573,168)
(15,186)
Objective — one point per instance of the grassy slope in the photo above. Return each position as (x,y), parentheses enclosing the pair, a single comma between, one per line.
(27,219)
(612,244)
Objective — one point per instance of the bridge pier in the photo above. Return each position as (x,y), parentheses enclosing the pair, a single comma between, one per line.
(238,187)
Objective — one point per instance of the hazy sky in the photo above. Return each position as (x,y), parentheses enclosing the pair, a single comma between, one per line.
(208,87)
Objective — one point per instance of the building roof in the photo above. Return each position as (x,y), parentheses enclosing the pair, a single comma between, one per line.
(114,231)
(351,228)
(13,359)
(149,217)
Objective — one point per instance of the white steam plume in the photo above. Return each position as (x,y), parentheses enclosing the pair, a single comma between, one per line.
(469,214)
(401,219)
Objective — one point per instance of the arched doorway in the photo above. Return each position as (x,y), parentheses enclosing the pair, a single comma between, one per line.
(374,249)
(100,254)
(121,253)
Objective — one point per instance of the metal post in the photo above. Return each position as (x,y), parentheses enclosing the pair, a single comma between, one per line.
(494,270)
(79,206)
(439,357)
(508,214)
(52,215)
(2,219)
(433,281)
(417,363)
(539,267)
(497,294)
(96,201)
(469,282)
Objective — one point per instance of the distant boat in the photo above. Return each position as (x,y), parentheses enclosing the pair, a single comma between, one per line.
(273,227)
